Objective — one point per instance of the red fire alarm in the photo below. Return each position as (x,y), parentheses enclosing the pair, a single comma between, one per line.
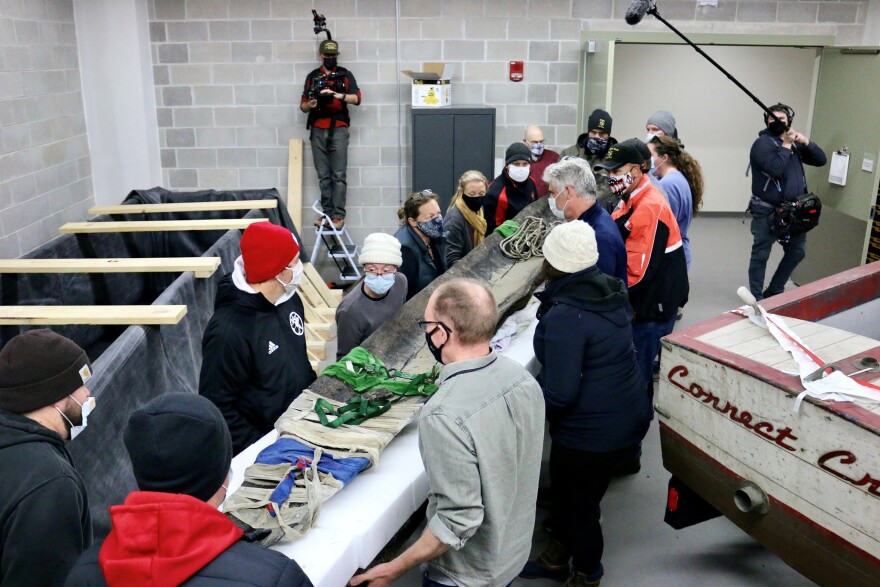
(516,71)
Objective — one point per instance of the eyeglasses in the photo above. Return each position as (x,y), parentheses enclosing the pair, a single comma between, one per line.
(426,192)
(425,326)
(374,271)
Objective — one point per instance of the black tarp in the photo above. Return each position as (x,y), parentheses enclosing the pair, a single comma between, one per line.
(137,363)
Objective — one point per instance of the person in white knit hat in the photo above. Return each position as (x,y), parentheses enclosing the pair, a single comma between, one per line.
(596,405)
(375,299)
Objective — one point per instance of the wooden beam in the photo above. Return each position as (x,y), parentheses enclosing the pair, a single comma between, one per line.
(185,207)
(11,315)
(320,285)
(157,225)
(294,182)
(201,266)
(317,348)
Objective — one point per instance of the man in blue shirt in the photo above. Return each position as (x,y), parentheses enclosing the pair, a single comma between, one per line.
(573,197)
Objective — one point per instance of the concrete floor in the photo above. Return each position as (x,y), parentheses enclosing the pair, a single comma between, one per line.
(640,549)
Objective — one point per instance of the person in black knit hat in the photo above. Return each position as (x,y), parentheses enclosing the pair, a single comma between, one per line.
(181,451)
(511,191)
(592,146)
(44,507)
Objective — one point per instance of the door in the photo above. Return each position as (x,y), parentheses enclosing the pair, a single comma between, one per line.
(846,114)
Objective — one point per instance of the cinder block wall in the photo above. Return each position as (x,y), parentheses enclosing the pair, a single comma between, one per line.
(229,75)
(45,173)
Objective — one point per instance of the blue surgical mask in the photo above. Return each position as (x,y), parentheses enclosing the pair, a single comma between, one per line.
(379,284)
(432,228)
(537,149)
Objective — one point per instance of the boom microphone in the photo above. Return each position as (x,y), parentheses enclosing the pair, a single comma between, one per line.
(637,11)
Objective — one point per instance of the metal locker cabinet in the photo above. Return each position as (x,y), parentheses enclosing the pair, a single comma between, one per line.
(449,141)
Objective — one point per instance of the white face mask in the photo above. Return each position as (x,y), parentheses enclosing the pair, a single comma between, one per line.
(297,271)
(649,136)
(517,173)
(556,210)
(87,408)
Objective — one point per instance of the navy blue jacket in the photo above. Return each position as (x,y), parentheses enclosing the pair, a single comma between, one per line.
(595,396)
(612,251)
(418,266)
(777,172)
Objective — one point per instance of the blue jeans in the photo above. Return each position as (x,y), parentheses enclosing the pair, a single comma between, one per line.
(646,340)
(794,252)
(330,154)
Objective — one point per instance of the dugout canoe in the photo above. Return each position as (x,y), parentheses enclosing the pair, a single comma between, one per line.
(805,484)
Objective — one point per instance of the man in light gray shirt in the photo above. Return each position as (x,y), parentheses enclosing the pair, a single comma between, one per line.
(480,437)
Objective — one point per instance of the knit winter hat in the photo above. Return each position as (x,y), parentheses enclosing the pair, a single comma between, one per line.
(664,120)
(179,443)
(381,248)
(599,120)
(266,249)
(517,152)
(38,368)
(571,247)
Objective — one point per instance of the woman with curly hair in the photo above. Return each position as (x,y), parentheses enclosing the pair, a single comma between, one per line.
(682,177)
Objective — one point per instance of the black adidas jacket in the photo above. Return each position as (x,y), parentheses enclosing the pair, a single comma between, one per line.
(254,360)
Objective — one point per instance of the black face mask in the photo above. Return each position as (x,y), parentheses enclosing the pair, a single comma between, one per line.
(329,62)
(474,203)
(776,127)
(437,351)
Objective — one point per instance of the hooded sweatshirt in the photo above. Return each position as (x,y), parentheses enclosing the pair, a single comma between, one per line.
(44,510)
(254,360)
(593,390)
(167,539)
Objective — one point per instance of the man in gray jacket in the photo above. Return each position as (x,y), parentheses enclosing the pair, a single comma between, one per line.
(480,437)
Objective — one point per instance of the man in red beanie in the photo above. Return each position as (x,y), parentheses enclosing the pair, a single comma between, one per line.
(45,521)
(254,360)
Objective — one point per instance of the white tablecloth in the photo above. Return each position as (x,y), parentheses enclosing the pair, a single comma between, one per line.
(356,523)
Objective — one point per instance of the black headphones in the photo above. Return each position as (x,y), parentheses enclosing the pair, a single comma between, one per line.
(780,107)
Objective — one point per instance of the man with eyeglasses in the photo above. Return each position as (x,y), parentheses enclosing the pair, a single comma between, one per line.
(254,359)
(480,438)
(542,157)
(379,297)
(656,267)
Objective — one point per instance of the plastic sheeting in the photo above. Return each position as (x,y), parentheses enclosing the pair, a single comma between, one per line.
(134,364)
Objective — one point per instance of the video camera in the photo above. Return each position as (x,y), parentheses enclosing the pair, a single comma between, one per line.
(332,81)
(320,23)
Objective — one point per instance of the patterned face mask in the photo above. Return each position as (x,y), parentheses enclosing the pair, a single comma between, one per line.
(432,228)
(618,185)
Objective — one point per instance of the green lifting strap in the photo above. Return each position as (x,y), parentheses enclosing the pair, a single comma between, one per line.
(507,228)
(355,411)
(367,372)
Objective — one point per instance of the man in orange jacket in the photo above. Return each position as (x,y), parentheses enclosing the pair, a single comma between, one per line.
(656,267)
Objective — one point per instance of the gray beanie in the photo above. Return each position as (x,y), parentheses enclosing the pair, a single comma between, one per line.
(664,120)
(179,443)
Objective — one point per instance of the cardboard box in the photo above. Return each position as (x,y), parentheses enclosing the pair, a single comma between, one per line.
(431,88)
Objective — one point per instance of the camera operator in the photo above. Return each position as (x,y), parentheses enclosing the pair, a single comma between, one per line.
(777,160)
(328,92)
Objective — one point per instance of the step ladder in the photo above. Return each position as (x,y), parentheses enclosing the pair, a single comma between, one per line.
(340,247)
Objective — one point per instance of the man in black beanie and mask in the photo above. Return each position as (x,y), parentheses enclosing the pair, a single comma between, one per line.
(45,521)
(592,146)
(171,532)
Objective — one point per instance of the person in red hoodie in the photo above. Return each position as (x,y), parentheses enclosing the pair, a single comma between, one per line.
(170,532)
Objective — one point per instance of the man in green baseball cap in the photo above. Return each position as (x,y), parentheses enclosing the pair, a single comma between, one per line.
(328,92)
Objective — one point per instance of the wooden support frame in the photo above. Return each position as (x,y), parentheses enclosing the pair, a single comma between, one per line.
(294,181)
(157,225)
(327,294)
(202,267)
(267,204)
(117,315)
